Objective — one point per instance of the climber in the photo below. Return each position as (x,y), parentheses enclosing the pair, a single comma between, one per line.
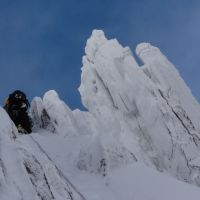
(17,106)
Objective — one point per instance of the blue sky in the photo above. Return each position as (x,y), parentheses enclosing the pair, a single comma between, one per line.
(42,41)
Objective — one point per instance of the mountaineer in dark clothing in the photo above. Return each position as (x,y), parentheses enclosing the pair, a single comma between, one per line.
(17,106)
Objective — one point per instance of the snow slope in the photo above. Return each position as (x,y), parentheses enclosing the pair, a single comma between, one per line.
(134,181)
(140,120)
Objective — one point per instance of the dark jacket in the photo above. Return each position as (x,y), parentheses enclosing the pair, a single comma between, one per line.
(17,107)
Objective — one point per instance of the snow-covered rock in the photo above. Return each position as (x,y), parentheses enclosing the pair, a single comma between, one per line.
(40,117)
(149,110)
(52,114)
(136,114)
(26,171)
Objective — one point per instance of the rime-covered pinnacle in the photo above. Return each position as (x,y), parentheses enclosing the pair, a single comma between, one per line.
(136,114)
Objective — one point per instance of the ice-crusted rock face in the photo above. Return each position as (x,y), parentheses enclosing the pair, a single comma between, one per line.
(147,110)
(135,113)
(53,114)
(26,170)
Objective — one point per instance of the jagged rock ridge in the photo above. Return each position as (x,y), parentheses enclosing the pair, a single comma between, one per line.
(145,113)
(135,113)
(149,109)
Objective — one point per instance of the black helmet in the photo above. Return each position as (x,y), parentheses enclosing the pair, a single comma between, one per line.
(18,94)
(18,97)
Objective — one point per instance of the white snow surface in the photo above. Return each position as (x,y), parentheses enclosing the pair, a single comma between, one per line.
(139,139)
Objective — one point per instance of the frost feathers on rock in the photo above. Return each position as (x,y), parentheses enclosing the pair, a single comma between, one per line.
(135,113)
(148,109)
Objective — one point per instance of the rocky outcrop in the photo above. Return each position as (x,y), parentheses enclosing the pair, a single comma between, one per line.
(149,110)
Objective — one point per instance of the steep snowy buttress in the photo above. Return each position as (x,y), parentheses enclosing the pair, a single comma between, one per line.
(147,111)
(26,171)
